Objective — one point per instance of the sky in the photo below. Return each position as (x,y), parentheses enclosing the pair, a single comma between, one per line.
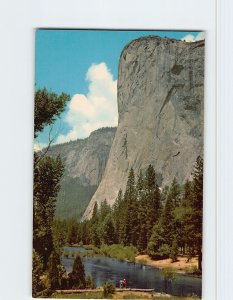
(84,64)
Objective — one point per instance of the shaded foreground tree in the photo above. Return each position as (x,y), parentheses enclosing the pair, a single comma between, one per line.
(48,106)
(47,174)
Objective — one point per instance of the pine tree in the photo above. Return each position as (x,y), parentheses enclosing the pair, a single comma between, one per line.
(130,217)
(117,215)
(94,227)
(157,245)
(168,220)
(153,199)
(197,206)
(142,213)
(183,215)
(104,210)
(54,270)
(108,231)
(77,276)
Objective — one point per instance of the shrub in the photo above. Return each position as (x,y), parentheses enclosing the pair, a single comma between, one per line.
(193,271)
(168,274)
(90,283)
(109,288)
(160,253)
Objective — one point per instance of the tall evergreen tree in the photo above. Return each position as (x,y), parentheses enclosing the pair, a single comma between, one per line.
(94,226)
(108,231)
(54,270)
(153,200)
(77,276)
(130,217)
(117,216)
(197,206)
(142,213)
(104,210)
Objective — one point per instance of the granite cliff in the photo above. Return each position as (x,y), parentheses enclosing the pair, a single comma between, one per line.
(160,104)
(84,161)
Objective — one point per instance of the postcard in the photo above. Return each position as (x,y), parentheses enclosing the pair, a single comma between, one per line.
(118,164)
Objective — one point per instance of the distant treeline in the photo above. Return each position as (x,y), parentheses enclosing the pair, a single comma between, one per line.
(160,222)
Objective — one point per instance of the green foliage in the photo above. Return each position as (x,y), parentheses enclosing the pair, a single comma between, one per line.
(168,273)
(89,283)
(77,276)
(73,198)
(108,231)
(174,250)
(109,289)
(157,246)
(193,271)
(55,270)
(47,175)
(119,251)
(37,271)
(145,219)
(48,106)
(84,295)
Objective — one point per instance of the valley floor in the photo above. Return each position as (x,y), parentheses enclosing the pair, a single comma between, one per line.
(181,265)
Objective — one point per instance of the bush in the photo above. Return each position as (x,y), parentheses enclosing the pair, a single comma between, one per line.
(109,288)
(160,253)
(168,274)
(90,283)
(120,252)
(193,271)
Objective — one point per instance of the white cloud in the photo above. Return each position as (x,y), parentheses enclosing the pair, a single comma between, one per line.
(190,38)
(38,146)
(96,109)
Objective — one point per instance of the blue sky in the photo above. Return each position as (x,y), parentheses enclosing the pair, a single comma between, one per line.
(84,64)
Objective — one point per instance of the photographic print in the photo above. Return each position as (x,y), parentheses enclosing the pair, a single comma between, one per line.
(118,164)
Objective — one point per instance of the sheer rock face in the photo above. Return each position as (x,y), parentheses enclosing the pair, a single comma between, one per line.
(85,159)
(160,103)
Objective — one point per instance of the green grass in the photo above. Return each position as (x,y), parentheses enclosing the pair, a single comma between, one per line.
(120,252)
(99,295)
(176,298)
(85,295)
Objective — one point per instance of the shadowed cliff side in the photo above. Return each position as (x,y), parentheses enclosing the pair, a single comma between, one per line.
(85,161)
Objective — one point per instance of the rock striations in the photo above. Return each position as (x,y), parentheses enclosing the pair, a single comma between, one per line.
(160,103)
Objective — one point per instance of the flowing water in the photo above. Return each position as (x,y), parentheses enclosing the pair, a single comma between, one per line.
(102,268)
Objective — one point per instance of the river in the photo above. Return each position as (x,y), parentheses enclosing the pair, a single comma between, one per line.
(102,268)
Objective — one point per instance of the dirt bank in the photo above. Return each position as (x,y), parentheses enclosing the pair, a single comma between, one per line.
(181,265)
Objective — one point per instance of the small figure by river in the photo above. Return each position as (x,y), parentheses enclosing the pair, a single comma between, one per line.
(123,283)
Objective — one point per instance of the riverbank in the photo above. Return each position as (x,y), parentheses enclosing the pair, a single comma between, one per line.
(129,253)
(119,294)
(180,266)
(118,251)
